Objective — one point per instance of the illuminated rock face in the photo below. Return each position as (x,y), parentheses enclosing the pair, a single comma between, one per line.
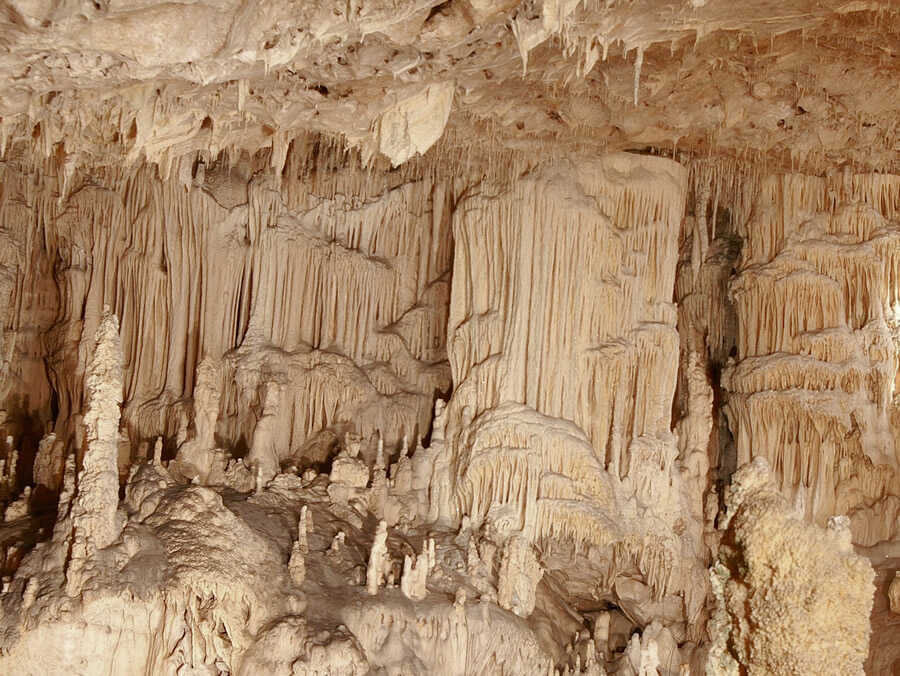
(448,337)
(561,303)
(812,389)
(564,354)
(331,287)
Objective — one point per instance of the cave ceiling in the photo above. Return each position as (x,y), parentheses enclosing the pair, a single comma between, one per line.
(793,83)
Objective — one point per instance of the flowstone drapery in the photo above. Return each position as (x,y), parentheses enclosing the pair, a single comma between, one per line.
(812,387)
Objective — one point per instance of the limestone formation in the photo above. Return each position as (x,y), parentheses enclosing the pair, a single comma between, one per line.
(263,455)
(793,597)
(812,390)
(347,468)
(297,562)
(196,456)
(48,462)
(379,561)
(95,518)
(520,572)
(414,581)
(894,594)
(574,328)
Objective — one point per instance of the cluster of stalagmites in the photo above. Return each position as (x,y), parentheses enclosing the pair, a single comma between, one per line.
(179,555)
(233,581)
(218,590)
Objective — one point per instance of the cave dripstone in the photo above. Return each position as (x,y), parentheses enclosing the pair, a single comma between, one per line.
(449,337)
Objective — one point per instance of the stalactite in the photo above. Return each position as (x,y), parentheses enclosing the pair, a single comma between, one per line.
(564,359)
(350,262)
(813,387)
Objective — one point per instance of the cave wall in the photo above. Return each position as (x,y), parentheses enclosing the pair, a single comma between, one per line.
(330,282)
(812,386)
(585,402)
(563,346)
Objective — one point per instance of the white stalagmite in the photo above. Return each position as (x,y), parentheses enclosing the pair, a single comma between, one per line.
(379,455)
(304,525)
(95,521)
(520,572)
(379,560)
(414,580)
(299,550)
(348,468)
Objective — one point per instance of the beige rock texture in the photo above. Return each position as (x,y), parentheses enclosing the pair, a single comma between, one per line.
(894,595)
(520,572)
(449,337)
(812,389)
(793,597)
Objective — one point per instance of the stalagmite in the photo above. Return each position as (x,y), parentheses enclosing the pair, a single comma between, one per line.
(642,656)
(157,452)
(348,468)
(379,455)
(304,525)
(260,480)
(297,562)
(337,543)
(520,572)
(415,572)
(894,594)
(808,613)
(195,455)
(263,455)
(95,520)
(601,631)
(379,561)
(49,462)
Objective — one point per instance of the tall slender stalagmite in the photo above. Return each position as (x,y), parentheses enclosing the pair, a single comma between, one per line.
(95,521)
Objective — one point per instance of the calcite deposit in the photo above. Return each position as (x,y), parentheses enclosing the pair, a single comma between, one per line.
(449,337)
(782,584)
